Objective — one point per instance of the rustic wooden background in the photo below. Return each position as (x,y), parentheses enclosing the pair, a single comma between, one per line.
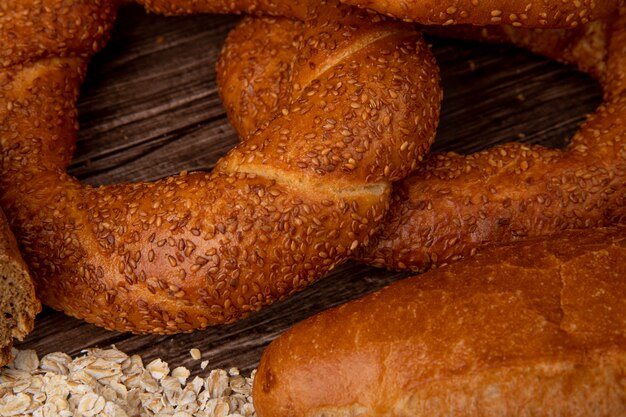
(150,108)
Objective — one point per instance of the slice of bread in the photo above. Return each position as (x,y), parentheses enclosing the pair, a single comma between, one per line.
(18,304)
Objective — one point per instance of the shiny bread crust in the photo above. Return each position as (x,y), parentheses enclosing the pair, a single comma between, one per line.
(531,328)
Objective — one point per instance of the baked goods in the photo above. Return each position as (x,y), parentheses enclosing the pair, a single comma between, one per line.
(454,204)
(532,328)
(34,29)
(527,13)
(500,334)
(296,9)
(176,255)
(198,249)
(18,304)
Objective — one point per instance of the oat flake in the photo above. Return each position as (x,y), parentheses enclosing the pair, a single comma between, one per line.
(109,383)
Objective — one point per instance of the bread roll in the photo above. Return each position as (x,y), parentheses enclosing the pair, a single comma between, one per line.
(532,329)
(18,305)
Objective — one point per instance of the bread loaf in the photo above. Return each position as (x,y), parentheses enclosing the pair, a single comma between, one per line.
(18,305)
(531,329)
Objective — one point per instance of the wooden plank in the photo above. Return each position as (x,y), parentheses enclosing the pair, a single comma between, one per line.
(150,108)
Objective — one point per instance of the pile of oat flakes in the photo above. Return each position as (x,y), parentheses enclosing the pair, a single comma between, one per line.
(109,383)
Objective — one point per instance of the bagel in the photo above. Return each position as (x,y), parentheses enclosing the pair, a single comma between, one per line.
(196,249)
(454,204)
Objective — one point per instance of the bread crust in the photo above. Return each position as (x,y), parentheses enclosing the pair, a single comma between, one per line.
(18,304)
(532,328)
(519,13)
(295,9)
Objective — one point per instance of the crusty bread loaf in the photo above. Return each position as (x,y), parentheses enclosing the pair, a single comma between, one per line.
(18,305)
(532,329)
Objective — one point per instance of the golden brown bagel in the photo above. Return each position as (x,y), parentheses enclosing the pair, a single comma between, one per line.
(453,204)
(534,328)
(527,13)
(279,211)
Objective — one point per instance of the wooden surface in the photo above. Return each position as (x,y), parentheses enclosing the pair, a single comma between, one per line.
(150,108)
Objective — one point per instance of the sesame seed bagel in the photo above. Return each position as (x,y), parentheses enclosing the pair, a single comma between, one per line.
(454,204)
(518,13)
(280,210)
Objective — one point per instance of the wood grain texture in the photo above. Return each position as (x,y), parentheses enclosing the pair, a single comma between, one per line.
(149,108)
